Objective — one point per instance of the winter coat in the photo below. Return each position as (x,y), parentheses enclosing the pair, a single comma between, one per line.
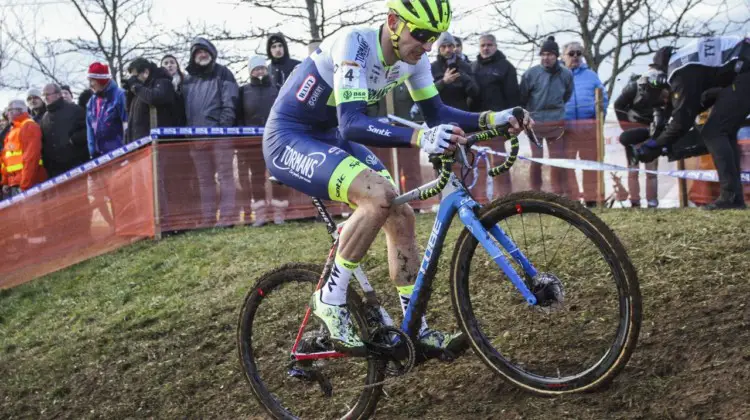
(22,154)
(64,143)
(497,81)
(582,105)
(38,114)
(280,68)
(210,92)
(157,91)
(256,100)
(544,92)
(455,94)
(629,107)
(106,113)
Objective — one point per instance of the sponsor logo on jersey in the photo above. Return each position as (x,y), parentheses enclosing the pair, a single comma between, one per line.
(306,88)
(299,165)
(376,95)
(334,151)
(393,73)
(315,95)
(371,159)
(380,131)
(363,51)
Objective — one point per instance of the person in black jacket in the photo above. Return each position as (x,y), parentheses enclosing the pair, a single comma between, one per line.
(83,98)
(453,78)
(496,77)
(281,63)
(256,99)
(149,87)
(63,133)
(635,112)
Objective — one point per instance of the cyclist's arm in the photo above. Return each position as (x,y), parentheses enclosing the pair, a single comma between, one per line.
(435,112)
(350,92)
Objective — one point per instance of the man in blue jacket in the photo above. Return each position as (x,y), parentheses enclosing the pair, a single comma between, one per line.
(106,112)
(580,117)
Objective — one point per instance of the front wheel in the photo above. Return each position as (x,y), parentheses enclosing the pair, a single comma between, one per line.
(586,327)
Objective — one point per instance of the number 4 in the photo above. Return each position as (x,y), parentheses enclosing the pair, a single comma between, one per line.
(349,75)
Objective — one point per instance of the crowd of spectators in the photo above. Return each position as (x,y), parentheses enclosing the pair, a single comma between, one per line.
(49,134)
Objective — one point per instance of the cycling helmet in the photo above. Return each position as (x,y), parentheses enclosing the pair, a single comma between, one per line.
(426,19)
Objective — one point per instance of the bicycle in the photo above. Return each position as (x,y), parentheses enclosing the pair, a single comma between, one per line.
(305,361)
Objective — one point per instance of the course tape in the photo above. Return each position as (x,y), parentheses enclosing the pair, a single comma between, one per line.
(590,165)
(206,131)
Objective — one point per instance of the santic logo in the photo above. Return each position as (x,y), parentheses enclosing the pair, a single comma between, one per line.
(380,131)
(299,165)
(306,88)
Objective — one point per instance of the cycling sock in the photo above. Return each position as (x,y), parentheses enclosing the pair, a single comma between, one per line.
(404,296)
(334,289)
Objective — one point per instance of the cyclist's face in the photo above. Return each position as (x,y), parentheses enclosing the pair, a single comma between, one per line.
(411,48)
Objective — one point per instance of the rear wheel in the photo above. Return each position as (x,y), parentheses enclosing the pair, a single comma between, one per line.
(586,327)
(269,322)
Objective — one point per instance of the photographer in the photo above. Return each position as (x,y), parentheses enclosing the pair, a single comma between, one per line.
(452,75)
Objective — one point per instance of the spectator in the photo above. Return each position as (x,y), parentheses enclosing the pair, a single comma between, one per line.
(452,76)
(635,113)
(211,94)
(67,94)
(63,127)
(496,77)
(257,97)
(149,88)
(22,166)
(498,90)
(281,63)
(36,104)
(545,88)
(580,116)
(460,50)
(106,112)
(5,126)
(84,97)
(170,64)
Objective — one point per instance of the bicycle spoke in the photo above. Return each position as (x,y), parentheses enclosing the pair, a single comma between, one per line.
(544,244)
(526,243)
(558,247)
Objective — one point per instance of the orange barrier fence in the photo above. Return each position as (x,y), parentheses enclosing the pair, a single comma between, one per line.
(204,182)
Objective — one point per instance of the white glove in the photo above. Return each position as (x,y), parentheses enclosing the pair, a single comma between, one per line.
(499,118)
(436,139)
(414,111)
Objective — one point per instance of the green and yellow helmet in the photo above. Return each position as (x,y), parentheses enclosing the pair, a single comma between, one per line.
(426,19)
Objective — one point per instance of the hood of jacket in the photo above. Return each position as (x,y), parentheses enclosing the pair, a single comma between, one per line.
(278,37)
(583,67)
(200,42)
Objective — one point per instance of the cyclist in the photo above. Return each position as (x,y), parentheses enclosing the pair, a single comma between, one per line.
(694,72)
(314,142)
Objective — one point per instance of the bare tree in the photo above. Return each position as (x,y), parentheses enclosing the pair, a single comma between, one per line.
(318,17)
(620,31)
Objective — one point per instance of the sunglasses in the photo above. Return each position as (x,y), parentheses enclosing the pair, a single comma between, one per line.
(575,53)
(422,35)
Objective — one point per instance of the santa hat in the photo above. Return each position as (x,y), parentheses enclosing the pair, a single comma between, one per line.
(99,71)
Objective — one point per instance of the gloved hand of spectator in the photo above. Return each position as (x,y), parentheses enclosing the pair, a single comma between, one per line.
(6,192)
(646,152)
(131,83)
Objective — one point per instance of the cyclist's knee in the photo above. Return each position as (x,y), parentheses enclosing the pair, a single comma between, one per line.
(372,191)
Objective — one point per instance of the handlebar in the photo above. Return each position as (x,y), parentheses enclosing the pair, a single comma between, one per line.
(446,161)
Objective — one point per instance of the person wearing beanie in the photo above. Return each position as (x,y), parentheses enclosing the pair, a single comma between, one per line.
(545,88)
(36,105)
(67,94)
(106,112)
(256,99)
(282,64)
(498,89)
(211,95)
(453,78)
(460,49)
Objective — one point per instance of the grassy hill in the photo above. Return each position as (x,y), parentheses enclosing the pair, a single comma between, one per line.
(149,331)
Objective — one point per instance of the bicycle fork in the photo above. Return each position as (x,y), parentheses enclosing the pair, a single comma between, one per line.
(471,221)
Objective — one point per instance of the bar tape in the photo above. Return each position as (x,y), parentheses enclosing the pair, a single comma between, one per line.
(590,165)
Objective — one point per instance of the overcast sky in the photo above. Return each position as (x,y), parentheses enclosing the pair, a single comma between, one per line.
(57,19)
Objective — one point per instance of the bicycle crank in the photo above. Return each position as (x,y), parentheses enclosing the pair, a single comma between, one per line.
(394,347)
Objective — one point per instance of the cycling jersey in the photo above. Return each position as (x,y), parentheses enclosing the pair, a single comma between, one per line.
(321,110)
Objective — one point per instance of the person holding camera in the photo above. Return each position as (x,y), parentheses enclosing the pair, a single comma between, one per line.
(453,77)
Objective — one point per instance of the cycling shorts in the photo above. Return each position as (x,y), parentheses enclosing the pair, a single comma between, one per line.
(317,163)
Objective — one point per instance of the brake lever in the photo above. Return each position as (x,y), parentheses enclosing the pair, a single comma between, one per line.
(519,115)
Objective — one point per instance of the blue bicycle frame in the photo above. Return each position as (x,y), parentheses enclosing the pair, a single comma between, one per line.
(456,199)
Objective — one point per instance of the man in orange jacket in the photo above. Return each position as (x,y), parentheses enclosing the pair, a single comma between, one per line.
(22,166)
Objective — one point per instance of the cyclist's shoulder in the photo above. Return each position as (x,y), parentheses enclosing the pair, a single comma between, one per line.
(359,41)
